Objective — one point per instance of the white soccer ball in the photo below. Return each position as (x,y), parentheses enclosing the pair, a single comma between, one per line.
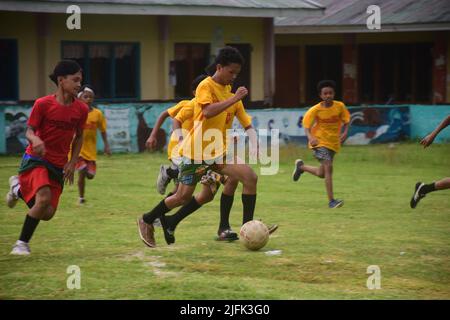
(254,235)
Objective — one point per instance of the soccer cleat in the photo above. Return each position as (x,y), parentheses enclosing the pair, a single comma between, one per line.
(163,180)
(146,233)
(21,249)
(11,196)
(272,228)
(335,203)
(227,235)
(297,171)
(417,195)
(169,234)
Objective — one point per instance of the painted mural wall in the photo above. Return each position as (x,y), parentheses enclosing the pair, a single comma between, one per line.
(129,125)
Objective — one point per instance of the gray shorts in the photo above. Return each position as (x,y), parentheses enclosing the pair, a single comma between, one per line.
(323,154)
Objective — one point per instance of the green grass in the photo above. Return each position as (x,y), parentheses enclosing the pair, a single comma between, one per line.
(325,253)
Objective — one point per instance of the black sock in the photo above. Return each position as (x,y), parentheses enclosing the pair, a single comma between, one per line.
(184,211)
(157,212)
(248,203)
(29,225)
(172,173)
(428,188)
(226,202)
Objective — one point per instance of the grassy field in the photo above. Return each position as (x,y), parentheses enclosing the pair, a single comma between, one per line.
(325,253)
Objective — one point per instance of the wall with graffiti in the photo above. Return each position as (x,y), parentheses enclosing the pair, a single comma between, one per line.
(129,124)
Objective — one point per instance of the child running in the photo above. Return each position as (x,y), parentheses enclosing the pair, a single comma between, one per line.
(86,165)
(326,126)
(56,121)
(214,106)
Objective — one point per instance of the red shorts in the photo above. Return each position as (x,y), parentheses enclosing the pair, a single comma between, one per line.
(89,166)
(34,179)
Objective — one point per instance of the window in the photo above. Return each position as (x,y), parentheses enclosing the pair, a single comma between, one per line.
(191,59)
(8,70)
(395,73)
(111,68)
(323,63)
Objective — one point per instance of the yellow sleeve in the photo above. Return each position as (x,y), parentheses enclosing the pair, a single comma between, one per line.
(309,118)
(203,94)
(102,122)
(185,114)
(243,117)
(345,114)
(173,111)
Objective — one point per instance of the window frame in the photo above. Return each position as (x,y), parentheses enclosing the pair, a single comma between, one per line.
(112,80)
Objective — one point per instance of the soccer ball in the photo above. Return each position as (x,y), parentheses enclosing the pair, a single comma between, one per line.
(254,235)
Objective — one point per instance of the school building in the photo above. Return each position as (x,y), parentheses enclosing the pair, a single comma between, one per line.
(146,50)
(406,61)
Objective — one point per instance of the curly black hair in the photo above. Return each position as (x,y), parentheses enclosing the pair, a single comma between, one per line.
(326,84)
(227,55)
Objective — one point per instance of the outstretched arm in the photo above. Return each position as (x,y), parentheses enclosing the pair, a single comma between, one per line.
(152,141)
(430,138)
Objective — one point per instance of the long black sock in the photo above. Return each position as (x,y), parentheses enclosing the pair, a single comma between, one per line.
(226,202)
(29,225)
(248,203)
(157,212)
(184,211)
(428,188)
(172,173)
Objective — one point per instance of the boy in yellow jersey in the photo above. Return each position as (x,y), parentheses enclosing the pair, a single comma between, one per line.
(326,126)
(88,155)
(167,173)
(215,106)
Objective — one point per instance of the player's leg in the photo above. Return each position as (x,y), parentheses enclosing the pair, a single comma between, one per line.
(81,185)
(328,173)
(226,203)
(41,210)
(13,194)
(188,180)
(169,223)
(166,173)
(421,189)
(301,167)
(249,179)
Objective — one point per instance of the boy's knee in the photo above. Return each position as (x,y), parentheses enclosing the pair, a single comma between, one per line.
(50,212)
(252,179)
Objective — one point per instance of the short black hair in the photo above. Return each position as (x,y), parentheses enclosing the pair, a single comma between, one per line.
(324,84)
(197,81)
(64,68)
(226,56)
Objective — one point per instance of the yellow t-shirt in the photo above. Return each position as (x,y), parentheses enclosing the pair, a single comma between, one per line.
(325,124)
(173,112)
(200,139)
(186,118)
(95,120)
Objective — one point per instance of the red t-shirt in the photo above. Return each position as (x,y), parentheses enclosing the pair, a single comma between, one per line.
(56,125)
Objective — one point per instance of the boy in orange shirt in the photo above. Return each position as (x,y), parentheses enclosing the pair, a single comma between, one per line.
(326,126)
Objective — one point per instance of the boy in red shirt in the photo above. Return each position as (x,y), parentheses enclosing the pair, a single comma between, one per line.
(55,122)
